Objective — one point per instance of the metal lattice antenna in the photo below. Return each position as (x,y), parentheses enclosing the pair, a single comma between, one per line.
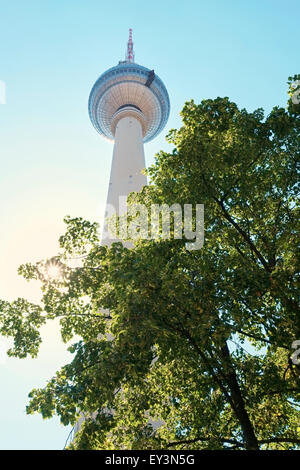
(130,53)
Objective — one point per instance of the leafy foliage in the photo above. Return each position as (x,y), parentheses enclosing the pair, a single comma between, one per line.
(199,342)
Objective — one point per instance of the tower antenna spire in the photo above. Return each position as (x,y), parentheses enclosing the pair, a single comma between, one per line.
(130,53)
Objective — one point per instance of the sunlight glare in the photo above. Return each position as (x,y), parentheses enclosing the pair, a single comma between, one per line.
(53,271)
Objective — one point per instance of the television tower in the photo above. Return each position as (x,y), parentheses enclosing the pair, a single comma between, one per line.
(130,105)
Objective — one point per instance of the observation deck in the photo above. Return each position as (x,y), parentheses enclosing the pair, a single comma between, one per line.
(129,89)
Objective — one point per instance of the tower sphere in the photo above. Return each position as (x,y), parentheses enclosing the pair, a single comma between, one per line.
(129,89)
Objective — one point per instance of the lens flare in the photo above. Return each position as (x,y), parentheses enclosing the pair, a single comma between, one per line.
(52,271)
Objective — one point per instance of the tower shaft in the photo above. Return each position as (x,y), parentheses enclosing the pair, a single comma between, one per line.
(126,170)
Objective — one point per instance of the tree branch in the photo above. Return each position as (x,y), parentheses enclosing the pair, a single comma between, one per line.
(291,440)
(205,439)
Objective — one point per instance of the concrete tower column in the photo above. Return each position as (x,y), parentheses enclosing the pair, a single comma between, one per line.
(126,171)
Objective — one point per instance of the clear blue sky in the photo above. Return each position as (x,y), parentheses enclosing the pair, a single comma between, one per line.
(53,162)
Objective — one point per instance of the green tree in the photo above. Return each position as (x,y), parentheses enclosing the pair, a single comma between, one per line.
(200,340)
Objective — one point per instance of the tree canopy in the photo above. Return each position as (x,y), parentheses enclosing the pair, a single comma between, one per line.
(197,342)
